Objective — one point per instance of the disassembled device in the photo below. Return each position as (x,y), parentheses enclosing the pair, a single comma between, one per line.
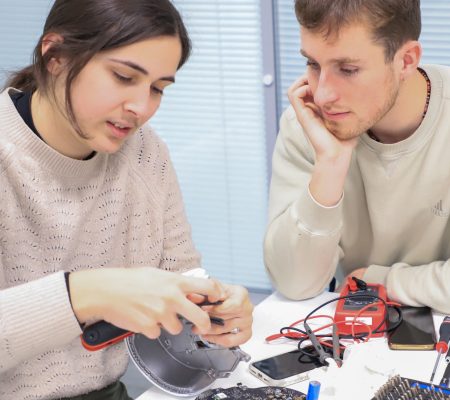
(183,364)
(242,392)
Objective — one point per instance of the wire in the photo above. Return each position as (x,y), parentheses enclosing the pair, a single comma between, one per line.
(294,333)
(365,296)
(297,333)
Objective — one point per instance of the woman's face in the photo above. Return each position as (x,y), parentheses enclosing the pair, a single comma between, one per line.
(118,91)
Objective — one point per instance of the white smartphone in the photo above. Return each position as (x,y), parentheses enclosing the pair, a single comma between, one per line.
(285,369)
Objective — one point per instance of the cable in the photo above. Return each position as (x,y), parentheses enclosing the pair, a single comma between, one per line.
(293,333)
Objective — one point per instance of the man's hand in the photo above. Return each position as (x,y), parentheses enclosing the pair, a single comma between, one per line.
(326,145)
(333,155)
(142,300)
(236,311)
(357,273)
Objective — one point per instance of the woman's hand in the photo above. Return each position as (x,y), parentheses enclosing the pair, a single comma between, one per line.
(144,300)
(237,313)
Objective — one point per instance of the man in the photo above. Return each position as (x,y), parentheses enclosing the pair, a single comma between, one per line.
(361,169)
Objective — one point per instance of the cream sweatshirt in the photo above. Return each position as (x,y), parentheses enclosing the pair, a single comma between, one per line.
(393,217)
(59,214)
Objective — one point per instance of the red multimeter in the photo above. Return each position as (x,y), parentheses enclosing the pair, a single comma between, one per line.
(359,295)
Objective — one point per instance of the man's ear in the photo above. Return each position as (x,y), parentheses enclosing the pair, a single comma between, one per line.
(408,57)
(49,41)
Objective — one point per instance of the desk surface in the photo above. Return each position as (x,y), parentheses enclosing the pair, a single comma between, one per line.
(366,367)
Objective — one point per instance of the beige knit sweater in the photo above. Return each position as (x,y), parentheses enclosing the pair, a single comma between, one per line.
(394,217)
(59,214)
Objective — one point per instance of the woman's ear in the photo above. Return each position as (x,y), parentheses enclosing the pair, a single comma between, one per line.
(49,42)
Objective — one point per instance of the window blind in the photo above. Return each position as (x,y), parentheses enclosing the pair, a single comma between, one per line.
(21,25)
(435,39)
(213,122)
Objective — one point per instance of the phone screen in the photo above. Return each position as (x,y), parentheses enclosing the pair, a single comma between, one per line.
(287,364)
(416,332)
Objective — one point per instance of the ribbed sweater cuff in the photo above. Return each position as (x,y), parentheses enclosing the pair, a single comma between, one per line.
(377,274)
(315,218)
(36,316)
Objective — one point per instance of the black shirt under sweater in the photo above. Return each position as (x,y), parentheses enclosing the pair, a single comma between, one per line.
(22,102)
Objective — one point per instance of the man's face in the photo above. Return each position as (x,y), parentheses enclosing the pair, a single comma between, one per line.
(351,83)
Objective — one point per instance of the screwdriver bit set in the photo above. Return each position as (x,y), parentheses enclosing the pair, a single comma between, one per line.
(399,388)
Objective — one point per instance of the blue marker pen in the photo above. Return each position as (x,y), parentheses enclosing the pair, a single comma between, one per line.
(313,390)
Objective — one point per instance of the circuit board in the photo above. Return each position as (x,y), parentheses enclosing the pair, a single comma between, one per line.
(242,392)
(399,388)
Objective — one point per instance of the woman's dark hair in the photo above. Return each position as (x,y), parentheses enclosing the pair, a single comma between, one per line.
(92,26)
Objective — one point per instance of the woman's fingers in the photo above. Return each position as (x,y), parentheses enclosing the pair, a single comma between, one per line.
(193,313)
(234,332)
(236,311)
(147,300)
(209,288)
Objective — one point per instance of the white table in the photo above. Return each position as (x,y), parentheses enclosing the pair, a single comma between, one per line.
(366,369)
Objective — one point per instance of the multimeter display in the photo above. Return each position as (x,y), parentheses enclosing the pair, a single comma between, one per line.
(360,301)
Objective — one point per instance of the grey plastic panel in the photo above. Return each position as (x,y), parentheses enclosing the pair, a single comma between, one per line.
(182,365)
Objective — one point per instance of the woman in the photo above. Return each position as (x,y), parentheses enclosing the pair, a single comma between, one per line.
(92,220)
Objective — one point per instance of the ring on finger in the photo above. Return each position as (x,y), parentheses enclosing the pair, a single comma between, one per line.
(235,331)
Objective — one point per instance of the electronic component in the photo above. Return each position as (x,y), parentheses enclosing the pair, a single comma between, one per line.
(445,381)
(399,388)
(360,301)
(242,392)
(313,391)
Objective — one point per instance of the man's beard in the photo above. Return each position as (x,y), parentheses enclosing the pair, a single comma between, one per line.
(343,133)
